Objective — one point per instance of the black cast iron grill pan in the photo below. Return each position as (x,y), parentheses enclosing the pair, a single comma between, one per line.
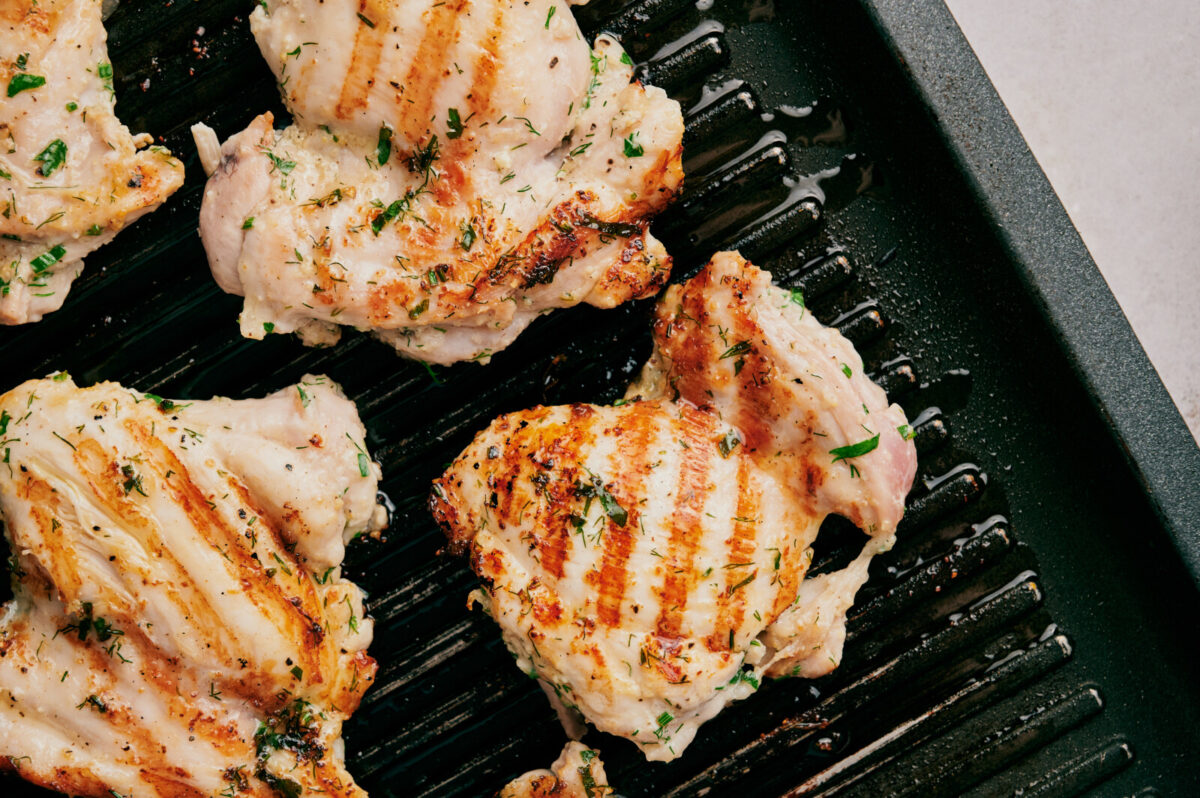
(1029,632)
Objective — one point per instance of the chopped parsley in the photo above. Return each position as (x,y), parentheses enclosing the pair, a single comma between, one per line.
(468,236)
(388,213)
(906,432)
(51,158)
(550,16)
(454,125)
(728,443)
(632,148)
(282,165)
(594,489)
(23,81)
(383,150)
(422,160)
(133,480)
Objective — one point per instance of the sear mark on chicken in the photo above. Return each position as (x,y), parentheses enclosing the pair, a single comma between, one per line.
(453,171)
(577,773)
(180,625)
(647,561)
(71,175)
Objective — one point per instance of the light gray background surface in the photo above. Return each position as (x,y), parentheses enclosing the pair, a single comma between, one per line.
(1107,93)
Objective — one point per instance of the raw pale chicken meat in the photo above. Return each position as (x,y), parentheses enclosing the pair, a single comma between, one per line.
(646,561)
(180,624)
(577,773)
(453,171)
(71,175)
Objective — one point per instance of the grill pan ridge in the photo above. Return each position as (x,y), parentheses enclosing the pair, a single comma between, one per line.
(856,151)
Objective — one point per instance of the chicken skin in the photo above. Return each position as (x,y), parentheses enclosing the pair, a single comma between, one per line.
(71,175)
(453,171)
(647,561)
(180,624)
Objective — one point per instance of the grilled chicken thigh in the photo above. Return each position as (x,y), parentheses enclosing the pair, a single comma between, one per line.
(453,170)
(647,561)
(180,624)
(577,773)
(71,175)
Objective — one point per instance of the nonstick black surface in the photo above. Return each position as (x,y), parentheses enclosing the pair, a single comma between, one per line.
(1032,630)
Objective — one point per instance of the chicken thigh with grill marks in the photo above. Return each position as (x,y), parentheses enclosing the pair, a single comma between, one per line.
(647,561)
(71,175)
(453,171)
(180,625)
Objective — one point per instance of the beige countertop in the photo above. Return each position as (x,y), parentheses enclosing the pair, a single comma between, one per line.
(1107,93)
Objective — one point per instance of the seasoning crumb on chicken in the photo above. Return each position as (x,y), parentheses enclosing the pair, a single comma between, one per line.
(453,170)
(647,561)
(71,175)
(180,624)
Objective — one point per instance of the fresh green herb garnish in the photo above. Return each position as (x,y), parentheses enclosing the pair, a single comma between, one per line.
(383,150)
(728,443)
(528,124)
(133,481)
(23,81)
(594,489)
(663,720)
(48,259)
(51,158)
(632,148)
(454,125)
(468,236)
(855,449)
(740,348)
(282,165)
